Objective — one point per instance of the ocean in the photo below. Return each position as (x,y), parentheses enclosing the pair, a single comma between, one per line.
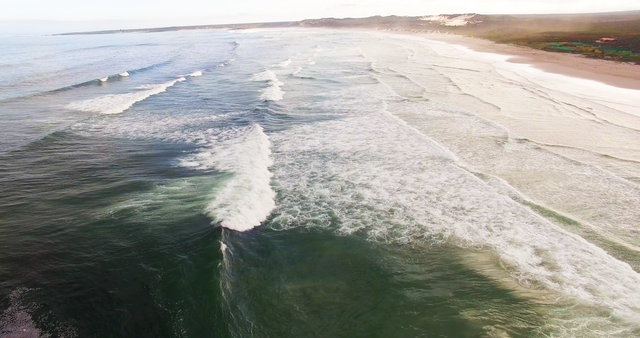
(310,183)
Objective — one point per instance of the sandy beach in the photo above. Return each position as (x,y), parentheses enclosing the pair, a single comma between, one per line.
(618,74)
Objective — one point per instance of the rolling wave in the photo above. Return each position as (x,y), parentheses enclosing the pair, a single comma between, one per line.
(246,200)
(273,92)
(285,63)
(93,82)
(150,67)
(118,103)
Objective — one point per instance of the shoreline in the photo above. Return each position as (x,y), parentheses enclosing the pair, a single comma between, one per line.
(613,73)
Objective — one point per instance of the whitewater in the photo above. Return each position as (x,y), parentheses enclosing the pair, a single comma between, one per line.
(315,182)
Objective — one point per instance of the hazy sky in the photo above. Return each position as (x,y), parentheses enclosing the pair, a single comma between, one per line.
(48,16)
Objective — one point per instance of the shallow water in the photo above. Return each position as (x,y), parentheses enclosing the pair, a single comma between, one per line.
(287,183)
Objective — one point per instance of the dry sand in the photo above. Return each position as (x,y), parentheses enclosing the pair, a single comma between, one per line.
(619,74)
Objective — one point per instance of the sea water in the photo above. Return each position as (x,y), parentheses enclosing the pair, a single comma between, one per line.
(298,183)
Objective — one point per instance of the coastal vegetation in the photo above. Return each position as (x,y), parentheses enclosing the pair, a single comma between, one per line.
(612,36)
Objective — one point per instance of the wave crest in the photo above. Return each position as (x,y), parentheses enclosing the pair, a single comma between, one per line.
(273,92)
(118,103)
(284,63)
(246,200)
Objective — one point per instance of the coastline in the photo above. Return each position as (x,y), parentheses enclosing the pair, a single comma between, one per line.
(617,74)
(614,73)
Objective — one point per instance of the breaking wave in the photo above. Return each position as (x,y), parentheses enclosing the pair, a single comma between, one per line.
(246,199)
(284,63)
(226,63)
(273,92)
(118,103)
(92,82)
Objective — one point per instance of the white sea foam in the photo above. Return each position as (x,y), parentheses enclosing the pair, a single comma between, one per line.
(267,75)
(223,248)
(196,73)
(493,134)
(246,199)
(124,74)
(104,79)
(16,320)
(273,92)
(374,175)
(284,63)
(116,104)
(226,63)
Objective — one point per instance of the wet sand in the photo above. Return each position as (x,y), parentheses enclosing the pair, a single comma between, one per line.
(618,74)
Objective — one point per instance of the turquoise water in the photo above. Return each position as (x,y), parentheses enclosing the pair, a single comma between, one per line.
(278,184)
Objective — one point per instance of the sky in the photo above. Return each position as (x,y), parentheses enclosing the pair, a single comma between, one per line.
(47,16)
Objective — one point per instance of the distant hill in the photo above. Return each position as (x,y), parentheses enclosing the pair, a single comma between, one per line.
(569,33)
